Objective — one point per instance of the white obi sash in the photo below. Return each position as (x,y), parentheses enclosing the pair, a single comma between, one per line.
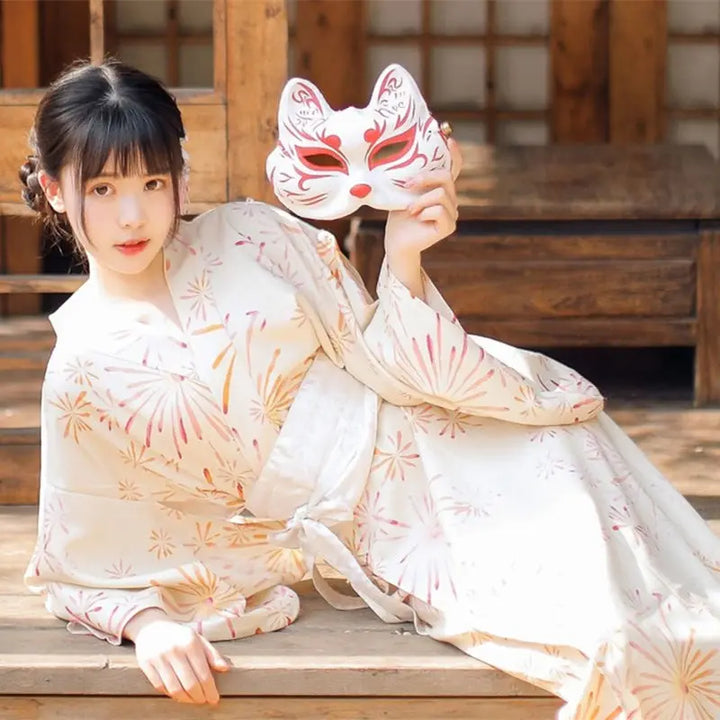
(315,476)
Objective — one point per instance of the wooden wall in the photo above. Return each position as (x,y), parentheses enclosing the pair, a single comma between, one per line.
(594,97)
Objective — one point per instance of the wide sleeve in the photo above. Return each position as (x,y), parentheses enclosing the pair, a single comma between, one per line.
(422,344)
(124,524)
(409,350)
(84,563)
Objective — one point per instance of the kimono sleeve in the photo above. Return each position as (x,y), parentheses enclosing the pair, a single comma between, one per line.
(86,556)
(409,351)
(421,343)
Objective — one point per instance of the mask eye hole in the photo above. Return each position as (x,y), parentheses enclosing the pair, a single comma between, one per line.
(385,153)
(318,159)
(391,149)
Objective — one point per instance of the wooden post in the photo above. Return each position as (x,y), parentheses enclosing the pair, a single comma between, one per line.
(21,69)
(257,70)
(97,31)
(59,49)
(328,49)
(707,348)
(579,67)
(638,48)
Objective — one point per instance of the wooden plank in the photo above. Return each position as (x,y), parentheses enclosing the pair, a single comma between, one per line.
(63,708)
(26,333)
(23,254)
(97,31)
(19,473)
(207,145)
(579,33)
(327,49)
(20,69)
(19,49)
(257,69)
(602,288)
(304,659)
(219,49)
(15,122)
(585,183)
(546,246)
(638,55)
(584,332)
(23,360)
(59,49)
(206,128)
(707,356)
(12,284)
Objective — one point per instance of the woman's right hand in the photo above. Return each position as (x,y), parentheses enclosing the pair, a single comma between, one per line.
(175,659)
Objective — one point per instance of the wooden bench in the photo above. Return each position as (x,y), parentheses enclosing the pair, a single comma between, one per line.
(566,246)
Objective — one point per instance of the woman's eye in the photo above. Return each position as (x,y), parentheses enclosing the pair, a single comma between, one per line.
(101,190)
(154,184)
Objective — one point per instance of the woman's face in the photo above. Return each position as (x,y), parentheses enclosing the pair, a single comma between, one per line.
(127,218)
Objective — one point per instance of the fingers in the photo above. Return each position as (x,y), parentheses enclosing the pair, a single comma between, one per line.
(214,658)
(434,179)
(456,156)
(187,677)
(154,677)
(438,196)
(443,223)
(173,684)
(207,689)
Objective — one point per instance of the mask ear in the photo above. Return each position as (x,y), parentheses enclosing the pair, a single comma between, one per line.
(51,188)
(302,106)
(396,94)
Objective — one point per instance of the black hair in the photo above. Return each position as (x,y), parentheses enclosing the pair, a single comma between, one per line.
(92,112)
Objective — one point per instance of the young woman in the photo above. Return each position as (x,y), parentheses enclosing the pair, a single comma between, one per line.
(225,405)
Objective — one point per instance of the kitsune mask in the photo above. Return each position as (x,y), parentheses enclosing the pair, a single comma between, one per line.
(327,163)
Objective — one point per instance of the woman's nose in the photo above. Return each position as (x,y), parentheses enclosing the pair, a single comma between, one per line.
(131,212)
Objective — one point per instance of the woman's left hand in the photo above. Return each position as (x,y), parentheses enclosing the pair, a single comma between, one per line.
(431,217)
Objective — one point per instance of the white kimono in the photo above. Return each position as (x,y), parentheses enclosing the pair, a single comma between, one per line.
(473,487)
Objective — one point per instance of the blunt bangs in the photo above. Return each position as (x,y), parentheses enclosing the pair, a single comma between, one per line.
(137,142)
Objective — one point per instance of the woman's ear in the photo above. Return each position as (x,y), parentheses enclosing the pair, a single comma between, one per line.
(51,188)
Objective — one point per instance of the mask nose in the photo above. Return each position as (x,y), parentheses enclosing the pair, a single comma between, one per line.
(360,191)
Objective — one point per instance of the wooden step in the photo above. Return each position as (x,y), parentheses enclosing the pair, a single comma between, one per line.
(328,664)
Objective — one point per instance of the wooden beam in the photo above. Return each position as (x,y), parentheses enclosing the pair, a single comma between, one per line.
(97,31)
(257,70)
(707,351)
(251,708)
(579,68)
(328,39)
(638,49)
(59,49)
(20,44)
(20,57)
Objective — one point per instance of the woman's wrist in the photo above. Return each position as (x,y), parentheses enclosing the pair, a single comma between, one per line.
(405,265)
(144,618)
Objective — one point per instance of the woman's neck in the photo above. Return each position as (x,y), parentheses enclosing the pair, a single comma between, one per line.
(146,285)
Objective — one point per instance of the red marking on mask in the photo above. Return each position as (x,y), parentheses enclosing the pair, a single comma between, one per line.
(372,135)
(360,191)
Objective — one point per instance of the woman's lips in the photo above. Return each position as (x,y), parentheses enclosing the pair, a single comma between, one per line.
(132,247)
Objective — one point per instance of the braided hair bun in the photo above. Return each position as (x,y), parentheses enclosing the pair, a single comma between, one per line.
(32,193)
